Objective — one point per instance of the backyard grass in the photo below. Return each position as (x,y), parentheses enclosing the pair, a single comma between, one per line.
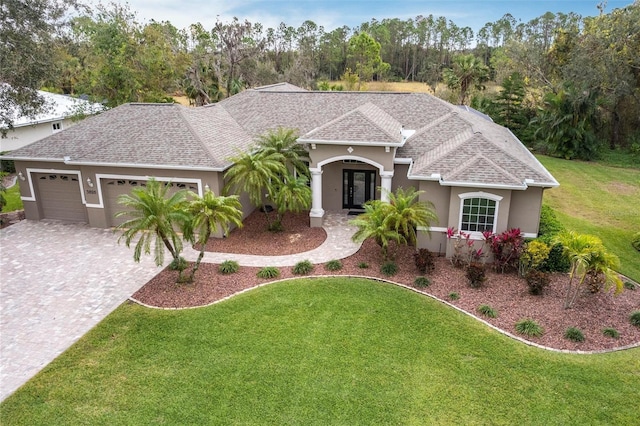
(600,200)
(320,351)
(12,197)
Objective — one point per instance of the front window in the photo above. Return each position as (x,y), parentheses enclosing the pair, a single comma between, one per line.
(478,214)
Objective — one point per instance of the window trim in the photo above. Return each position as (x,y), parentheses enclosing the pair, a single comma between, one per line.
(476,235)
(59,126)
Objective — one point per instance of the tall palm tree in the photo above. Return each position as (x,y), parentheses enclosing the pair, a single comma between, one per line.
(374,223)
(155,215)
(207,214)
(253,173)
(293,195)
(408,213)
(466,71)
(284,141)
(588,256)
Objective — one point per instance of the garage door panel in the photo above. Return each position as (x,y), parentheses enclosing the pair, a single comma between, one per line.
(60,197)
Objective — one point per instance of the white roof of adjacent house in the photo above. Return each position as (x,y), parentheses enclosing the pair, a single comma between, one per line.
(58,107)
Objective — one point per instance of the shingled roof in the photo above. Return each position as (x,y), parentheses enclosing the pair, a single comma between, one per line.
(450,144)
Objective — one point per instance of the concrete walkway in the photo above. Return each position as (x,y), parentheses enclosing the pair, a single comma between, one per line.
(57,281)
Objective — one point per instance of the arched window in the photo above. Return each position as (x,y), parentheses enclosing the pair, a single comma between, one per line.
(478,212)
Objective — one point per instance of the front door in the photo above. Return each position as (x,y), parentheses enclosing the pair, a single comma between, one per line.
(358,188)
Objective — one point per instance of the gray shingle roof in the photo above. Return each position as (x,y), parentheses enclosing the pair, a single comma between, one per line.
(458,145)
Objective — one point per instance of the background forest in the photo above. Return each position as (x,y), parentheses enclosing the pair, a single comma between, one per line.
(565,85)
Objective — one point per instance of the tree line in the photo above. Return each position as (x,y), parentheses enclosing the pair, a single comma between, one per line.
(567,85)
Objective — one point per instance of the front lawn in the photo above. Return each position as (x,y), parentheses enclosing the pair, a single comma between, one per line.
(320,351)
(12,197)
(600,200)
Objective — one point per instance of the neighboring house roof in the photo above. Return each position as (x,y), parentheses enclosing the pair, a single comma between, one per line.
(449,144)
(58,107)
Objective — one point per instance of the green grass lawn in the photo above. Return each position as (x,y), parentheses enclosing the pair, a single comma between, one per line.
(12,196)
(600,200)
(321,351)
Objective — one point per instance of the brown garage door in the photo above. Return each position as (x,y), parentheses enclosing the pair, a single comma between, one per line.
(113,188)
(59,197)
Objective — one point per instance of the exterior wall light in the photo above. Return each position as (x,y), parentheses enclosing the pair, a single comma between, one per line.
(21,176)
(90,182)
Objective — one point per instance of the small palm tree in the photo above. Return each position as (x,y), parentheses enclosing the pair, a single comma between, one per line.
(253,173)
(588,256)
(292,195)
(154,218)
(409,213)
(284,141)
(374,223)
(208,213)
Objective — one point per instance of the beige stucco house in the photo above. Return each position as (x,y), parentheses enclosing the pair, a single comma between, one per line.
(477,173)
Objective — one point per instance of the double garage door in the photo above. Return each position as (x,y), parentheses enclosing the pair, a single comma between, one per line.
(112,189)
(60,197)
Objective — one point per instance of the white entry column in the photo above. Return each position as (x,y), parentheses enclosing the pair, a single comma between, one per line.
(316,212)
(385,183)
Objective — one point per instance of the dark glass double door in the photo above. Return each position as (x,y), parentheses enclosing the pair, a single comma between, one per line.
(358,187)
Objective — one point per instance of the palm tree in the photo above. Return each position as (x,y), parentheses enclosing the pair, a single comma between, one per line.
(253,173)
(154,218)
(466,71)
(374,223)
(408,213)
(284,141)
(588,256)
(293,195)
(207,214)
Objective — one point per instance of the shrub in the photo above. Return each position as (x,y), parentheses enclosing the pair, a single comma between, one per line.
(476,275)
(537,281)
(574,334)
(363,265)
(424,261)
(635,318)
(550,226)
(487,311)
(635,241)
(303,267)
(229,267)
(179,264)
(556,261)
(629,285)
(611,332)
(268,272)
(454,296)
(421,282)
(533,256)
(507,248)
(333,265)
(389,268)
(529,327)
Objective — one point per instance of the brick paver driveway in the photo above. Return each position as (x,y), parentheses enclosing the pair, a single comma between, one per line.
(57,281)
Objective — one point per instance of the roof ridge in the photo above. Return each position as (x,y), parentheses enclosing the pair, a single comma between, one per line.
(482,156)
(435,122)
(183,115)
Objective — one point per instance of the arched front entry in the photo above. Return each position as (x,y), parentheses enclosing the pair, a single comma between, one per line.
(346,182)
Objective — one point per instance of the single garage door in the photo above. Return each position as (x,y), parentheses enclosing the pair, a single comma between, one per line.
(113,188)
(59,197)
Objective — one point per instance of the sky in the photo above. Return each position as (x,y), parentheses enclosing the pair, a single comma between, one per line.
(333,14)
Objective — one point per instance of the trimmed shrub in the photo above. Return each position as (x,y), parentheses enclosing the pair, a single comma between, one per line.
(454,296)
(487,311)
(556,261)
(529,327)
(635,318)
(476,275)
(179,264)
(421,282)
(533,255)
(574,334)
(635,241)
(269,272)
(611,332)
(229,267)
(424,260)
(303,267)
(550,226)
(389,268)
(333,265)
(363,265)
(537,281)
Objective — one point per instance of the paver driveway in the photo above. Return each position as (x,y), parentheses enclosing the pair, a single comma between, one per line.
(57,281)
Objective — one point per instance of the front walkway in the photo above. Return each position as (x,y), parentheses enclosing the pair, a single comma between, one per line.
(59,280)
(338,245)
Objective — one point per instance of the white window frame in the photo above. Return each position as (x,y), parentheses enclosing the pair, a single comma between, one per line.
(58,124)
(482,195)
